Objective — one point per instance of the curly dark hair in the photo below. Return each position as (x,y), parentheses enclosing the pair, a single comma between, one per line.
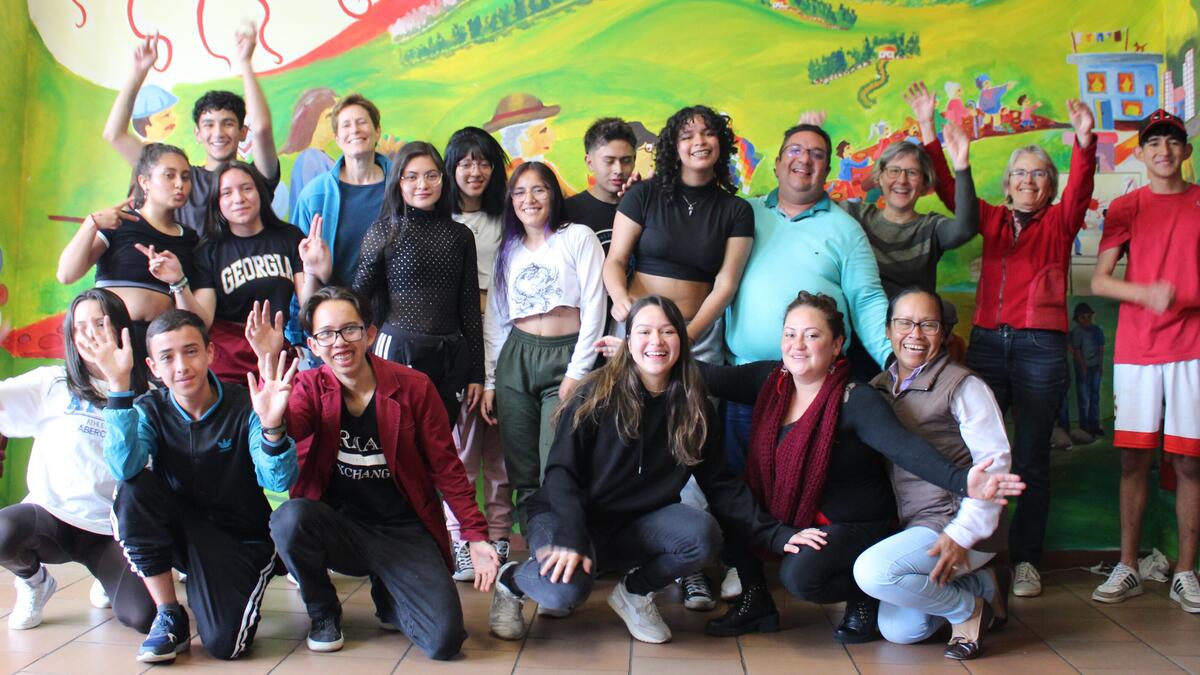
(667,165)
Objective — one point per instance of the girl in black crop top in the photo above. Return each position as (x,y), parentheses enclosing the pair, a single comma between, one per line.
(685,224)
(421,265)
(127,246)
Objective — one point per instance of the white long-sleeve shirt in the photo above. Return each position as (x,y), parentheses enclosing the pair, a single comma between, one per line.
(67,475)
(981,425)
(563,272)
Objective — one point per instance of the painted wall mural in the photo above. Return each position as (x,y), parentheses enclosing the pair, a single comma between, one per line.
(536,73)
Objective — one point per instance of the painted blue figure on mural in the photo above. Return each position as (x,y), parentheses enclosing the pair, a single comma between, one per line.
(991,99)
(153,115)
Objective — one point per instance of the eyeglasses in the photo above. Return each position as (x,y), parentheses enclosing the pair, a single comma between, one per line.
(895,171)
(476,164)
(930,327)
(1020,174)
(351,333)
(538,192)
(430,177)
(797,151)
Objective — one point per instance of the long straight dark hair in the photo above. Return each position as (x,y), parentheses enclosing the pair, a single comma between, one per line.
(79,381)
(616,389)
(475,143)
(513,230)
(215,224)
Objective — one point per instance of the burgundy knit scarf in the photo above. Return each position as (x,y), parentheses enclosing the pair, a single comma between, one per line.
(789,477)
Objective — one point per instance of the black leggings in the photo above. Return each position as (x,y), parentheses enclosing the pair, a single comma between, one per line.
(825,576)
(30,536)
(442,357)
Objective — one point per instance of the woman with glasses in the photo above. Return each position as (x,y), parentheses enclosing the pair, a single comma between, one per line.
(543,318)
(1019,341)
(933,571)
(477,201)
(419,265)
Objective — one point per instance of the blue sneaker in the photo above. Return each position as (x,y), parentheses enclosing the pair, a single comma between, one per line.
(169,636)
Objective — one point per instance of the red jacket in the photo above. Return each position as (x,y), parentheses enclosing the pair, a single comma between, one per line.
(1024,284)
(414,436)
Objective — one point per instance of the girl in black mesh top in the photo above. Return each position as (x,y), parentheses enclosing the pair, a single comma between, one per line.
(421,264)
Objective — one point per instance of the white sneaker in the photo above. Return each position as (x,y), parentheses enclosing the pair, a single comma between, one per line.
(640,615)
(31,598)
(1122,583)
(98,596)
(464,569)
(1027,583)
(505,618)
(1186,591)
(731,585)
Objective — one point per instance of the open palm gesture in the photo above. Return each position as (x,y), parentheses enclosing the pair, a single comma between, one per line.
(958,145)
(922,101)
(1082,120)
(271,398)
(115,361)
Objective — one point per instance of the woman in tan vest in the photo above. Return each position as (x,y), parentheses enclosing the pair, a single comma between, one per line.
(946,539)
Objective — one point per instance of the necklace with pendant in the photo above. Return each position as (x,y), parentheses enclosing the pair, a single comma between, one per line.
(691,206)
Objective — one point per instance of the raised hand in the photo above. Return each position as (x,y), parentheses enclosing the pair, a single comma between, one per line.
(271,399)
(246,40)
(1082,120)
(314,252)
(992,487)
(265,337)
(99,347)
(813,117)
(607,346)
(164,266)
(112,217)
(958,145)
(922,101)
(145,55)
(486,562)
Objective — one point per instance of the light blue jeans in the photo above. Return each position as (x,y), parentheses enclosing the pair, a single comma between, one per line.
(912,606)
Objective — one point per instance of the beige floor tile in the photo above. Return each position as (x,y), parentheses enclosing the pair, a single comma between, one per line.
(89,657)
(805,636)
(1042,662)
(689,645)
(1113,655)
(264,655)
(304,662)
(1171,642)
(40,640)
(111,632)
(826,661)
(280,600)
(1189,663)
(486,662)
(1068,627)
(948,666)
(1145,618)
(648,665)
(573,671)
(373,643)
(597,622)
(11,662)
(283,626)
(563,654)
(884,652)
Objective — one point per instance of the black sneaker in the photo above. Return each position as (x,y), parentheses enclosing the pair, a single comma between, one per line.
(503,548)
(170,635)
(326,633)
(464,569)
(697,593)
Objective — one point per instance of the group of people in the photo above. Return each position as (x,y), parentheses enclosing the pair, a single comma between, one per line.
(778,383)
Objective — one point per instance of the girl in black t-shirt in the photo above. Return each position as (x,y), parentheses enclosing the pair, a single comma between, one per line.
(420,264)
(248,256)
(129,243)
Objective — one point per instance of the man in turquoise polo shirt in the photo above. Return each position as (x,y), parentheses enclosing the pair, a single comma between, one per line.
(803,242)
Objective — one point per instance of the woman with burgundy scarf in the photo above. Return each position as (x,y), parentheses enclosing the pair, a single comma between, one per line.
(818,445)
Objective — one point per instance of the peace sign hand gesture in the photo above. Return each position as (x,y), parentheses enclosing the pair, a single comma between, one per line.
(314,252)
(112,217)
(145,55)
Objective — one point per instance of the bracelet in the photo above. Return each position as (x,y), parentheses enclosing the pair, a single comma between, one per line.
(276,431)
(178,285)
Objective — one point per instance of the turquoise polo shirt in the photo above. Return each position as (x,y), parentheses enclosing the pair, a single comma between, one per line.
(822,250)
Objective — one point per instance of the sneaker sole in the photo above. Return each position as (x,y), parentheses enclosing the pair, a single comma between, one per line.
(706,605)
(150,657)
(619,608)
(1027,594)
(1114,599)
(315,646)
(463,576)
(1194,609)
(45,600)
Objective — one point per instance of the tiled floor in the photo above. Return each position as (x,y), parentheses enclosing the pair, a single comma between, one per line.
(1061,632)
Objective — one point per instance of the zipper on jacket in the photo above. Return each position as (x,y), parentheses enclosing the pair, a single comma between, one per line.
(1004,270)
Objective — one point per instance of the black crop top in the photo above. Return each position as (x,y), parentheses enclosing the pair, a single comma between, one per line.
(122,265)
(679,245)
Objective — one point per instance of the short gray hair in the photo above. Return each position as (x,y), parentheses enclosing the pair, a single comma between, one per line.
(1036,151)
(896,150)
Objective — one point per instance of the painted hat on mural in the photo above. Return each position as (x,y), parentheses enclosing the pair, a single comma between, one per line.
(152,99)
(644,136)
(517,108)
(1164,122)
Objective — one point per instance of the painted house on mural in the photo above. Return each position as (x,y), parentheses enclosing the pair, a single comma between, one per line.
(1121,87)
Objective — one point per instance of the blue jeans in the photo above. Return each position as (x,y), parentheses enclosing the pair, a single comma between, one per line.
(1087,399)
(1027,371)
(912,606)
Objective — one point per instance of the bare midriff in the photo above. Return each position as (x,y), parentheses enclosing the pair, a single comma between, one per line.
(555,323)
(143,304)
(687,295)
